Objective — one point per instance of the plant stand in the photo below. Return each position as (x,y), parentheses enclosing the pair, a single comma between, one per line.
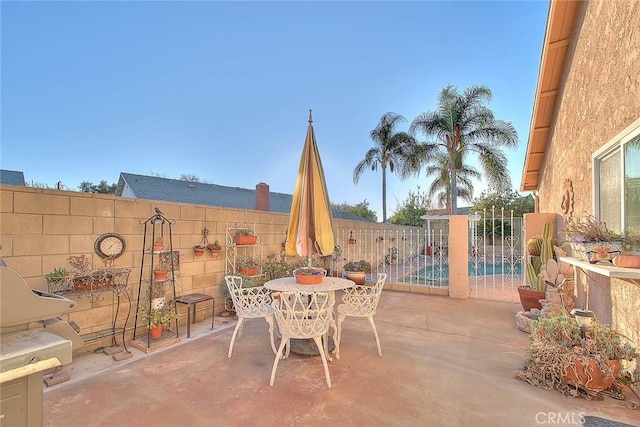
(151,289)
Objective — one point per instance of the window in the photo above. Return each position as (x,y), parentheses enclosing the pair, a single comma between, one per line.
(617,184)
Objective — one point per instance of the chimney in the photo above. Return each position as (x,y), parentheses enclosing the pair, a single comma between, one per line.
(262,197)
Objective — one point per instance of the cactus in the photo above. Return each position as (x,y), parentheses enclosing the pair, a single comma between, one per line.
(546,253)
(534,279)
(534,245)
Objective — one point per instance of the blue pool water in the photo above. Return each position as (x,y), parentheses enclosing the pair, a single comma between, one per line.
(437,273)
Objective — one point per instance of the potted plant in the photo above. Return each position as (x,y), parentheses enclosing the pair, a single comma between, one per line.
(309,275)
(352,240)
(214,248)
(572,359)
(591,240)
(540,249)
(198,250)
(161,269)
(392,256)
(58,281)
(156,318)
(357,271)
(158,244)
(245,236)
(247,265)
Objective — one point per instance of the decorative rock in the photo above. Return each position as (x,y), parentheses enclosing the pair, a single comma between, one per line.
(524,319)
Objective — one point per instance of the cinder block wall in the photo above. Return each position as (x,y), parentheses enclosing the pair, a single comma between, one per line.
(41,228)
(600,97)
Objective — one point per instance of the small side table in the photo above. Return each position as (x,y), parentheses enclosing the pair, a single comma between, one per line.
(192,300)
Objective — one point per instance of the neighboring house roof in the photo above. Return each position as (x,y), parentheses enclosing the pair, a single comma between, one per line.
(12,177)
(556,57)
(180,191)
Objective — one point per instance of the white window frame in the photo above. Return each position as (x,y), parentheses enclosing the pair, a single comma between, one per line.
(617,142)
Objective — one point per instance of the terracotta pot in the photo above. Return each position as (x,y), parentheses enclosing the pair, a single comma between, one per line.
(530,298)
(245,240)
(589,376)
(198,251)
(308,279)
(214,252)
(156,332)
(248,271)
(359,277)
(627,261)
(158,246)
(160,274)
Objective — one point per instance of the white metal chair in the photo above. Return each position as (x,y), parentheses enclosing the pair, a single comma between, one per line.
(304,315)
(250,303)
(360,301)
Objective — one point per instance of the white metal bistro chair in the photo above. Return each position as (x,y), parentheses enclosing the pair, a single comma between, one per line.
(360,301)
(303,315)
(250,303)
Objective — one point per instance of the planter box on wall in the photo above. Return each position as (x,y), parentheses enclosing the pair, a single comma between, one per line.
(596,251)
(251,271)
(245,240)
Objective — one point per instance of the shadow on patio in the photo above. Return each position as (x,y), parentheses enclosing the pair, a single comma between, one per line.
(445,362)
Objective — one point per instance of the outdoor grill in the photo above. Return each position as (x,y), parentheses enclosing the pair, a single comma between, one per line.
(33,340)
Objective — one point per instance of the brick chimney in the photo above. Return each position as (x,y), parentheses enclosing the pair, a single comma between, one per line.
(262,197)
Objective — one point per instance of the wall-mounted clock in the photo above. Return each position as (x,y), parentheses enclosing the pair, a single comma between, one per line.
(110,245)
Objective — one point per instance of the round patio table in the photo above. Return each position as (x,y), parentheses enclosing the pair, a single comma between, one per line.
(329,285)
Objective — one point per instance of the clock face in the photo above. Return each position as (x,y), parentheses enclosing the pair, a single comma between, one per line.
(110,245)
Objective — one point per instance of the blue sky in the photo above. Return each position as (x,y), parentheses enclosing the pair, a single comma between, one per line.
(222,90)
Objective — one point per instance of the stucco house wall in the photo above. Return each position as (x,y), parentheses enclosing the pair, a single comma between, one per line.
(599,98)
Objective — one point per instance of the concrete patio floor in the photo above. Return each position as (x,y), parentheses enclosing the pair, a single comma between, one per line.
(445,362)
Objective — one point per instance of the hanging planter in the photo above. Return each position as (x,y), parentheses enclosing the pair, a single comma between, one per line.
(214,248)
(198,250)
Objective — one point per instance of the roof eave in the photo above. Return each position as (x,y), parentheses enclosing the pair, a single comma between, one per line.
(555,53)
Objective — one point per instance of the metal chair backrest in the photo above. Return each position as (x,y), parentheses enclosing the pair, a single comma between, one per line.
(303,314)
(248,301)
(363,300)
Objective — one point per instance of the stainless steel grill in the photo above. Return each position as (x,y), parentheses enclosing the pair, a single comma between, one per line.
(33,340)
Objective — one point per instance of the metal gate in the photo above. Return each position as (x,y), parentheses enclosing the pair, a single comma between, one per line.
(496,255)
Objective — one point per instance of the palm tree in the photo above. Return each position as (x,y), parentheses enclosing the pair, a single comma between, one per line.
(461,126)
(390,150)
(440,186)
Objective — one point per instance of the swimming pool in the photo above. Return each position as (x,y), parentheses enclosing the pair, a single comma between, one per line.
(437,273)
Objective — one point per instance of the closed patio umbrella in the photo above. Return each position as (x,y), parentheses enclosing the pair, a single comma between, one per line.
(310,222)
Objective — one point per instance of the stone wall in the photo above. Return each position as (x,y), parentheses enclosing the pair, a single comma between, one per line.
(41,228)
(600,97)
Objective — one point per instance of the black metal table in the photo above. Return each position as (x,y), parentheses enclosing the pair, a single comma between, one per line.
(192,300)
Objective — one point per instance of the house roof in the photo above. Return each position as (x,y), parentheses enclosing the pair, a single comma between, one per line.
(180,191)
(12,177)
(555,59)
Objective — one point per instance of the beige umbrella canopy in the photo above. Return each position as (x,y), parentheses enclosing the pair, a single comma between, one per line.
(310,222)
